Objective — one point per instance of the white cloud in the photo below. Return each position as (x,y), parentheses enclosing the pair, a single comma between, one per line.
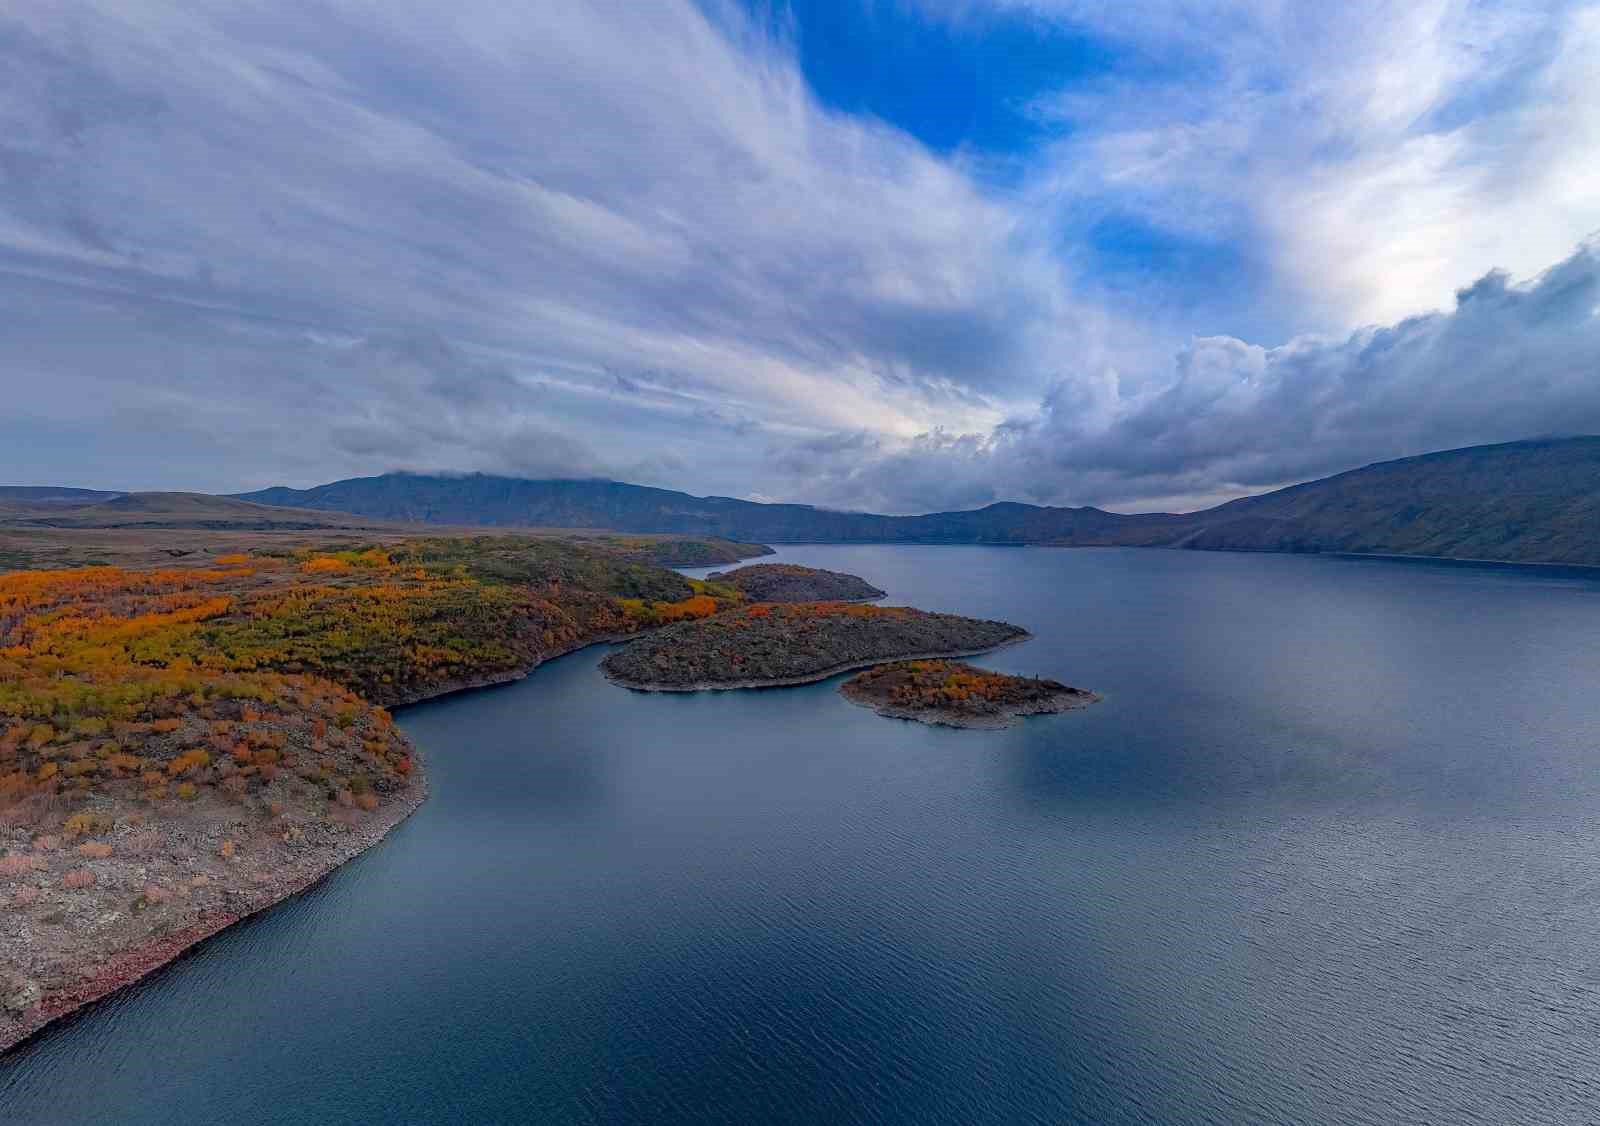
(1376,153)
(242,244)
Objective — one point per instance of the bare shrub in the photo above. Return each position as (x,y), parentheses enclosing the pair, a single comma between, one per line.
(78,878)
(147,843)
(30,812)
(19,863)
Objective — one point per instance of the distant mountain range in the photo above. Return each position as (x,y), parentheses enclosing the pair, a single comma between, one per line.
(1533,501)
(1525,502)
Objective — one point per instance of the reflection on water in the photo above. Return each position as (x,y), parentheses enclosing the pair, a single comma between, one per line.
(1324,854)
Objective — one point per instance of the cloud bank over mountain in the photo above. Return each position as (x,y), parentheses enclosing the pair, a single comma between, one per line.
(244,245)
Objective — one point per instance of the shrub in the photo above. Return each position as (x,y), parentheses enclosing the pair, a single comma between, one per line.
(147,843)
(94,850)
(78,878)
(189,762)
(87,824)
(19,863)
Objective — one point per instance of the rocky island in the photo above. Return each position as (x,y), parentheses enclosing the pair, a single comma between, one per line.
(768,645)
(786,582)
(956,694)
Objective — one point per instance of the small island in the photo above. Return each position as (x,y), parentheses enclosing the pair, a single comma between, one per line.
(769,645)
(788,582)
(956,694)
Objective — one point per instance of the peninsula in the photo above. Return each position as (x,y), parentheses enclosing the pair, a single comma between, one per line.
(956,694)
(769,645)
(786,582)
(184,745)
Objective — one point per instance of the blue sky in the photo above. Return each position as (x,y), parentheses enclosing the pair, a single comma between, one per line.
(887,254)
(954,87)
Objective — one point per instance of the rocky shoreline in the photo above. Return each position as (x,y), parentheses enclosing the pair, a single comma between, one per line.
(216,913)
(809,678)
(28,1009)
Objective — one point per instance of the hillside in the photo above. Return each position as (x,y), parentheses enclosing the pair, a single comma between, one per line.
(85,508)
(1533,501)
(1521,501)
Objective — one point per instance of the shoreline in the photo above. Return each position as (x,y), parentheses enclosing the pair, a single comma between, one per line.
(131,965)
(510,676)
(127,967)
(809,678)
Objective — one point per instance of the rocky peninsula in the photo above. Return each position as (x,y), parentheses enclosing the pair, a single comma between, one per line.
(786,582)
(956,694)
(769,645)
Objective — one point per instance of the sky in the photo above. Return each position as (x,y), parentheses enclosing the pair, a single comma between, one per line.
(892,255)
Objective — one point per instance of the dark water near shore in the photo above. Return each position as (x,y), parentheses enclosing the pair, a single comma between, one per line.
(1328,853)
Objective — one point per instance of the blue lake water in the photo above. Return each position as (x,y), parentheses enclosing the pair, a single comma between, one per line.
(1329,852)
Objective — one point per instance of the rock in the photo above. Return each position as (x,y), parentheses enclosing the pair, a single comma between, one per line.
(21,996)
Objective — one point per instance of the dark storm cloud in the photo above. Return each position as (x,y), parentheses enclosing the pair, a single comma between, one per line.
(1508,362)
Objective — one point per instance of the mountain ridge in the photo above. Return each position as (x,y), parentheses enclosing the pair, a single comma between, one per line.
(1531,501)
(1536,500)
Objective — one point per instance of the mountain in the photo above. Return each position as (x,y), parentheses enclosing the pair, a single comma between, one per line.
(514,502)
(88,508)
(1533,501)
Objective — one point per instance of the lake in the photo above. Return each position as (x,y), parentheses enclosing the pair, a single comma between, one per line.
(1328,852)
